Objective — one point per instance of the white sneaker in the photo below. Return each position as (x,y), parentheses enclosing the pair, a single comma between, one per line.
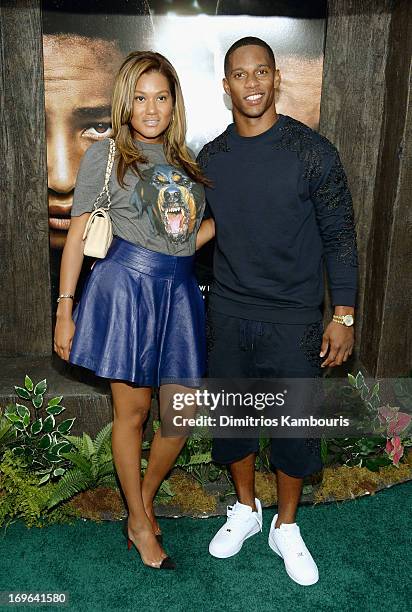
(242,523)
(287,542)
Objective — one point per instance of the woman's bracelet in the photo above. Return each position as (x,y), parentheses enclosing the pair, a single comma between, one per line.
(65,295)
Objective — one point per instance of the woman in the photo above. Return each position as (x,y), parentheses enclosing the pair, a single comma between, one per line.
(140,321)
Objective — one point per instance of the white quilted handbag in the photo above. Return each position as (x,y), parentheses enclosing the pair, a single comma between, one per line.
(98,233)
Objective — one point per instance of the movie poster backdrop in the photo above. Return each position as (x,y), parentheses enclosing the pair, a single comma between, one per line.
(85,41)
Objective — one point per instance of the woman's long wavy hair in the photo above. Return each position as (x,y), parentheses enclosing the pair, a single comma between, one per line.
(134,66)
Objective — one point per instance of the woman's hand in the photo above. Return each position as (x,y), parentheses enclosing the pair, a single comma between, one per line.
(206,232)
(63,336)
(71,263)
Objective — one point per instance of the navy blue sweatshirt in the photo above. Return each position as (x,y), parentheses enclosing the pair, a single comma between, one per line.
(282,209)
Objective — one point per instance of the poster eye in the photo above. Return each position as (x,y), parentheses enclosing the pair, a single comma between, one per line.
(178,178)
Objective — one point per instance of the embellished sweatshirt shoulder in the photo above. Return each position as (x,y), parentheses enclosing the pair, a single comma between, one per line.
(217,145)
(293,130)
(315,151)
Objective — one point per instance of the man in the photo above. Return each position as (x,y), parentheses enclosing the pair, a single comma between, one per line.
(297,35)
(282,208)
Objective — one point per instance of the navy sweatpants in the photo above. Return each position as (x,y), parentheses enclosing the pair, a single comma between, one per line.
(241,348)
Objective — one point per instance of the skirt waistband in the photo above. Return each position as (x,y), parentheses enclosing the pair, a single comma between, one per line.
(150,262)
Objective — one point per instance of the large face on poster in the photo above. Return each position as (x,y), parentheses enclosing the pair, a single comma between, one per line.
(85,42)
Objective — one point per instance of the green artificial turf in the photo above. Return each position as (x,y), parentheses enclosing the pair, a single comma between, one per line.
(362,548)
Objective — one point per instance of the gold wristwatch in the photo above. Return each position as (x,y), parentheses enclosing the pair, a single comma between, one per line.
(347,319)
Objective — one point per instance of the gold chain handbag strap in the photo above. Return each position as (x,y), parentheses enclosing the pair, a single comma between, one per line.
(109,167)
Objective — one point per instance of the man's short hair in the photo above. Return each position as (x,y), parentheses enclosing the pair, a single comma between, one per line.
(245,42)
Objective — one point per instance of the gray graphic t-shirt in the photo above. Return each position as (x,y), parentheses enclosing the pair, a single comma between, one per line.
(161,211)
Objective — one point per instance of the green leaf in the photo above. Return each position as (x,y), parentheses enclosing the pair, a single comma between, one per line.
(72,482)
(110,482)
(66,448)
(76,441)
(65,426)
(40,388)
(5,429)
(88,445)
(18,451)
(200,458)
(28,383)
(55,400)
(45,478)
(19,425)
(79,461)
(36,427)
(48,424)
(166,488)
(106,469)
(23,393)
(22,410)
(367,446)
(352,380)
(26,420)
(360,381)
(103,437)
(14,418)
(374,400)
(59,447)
(375,464)
(375,389)
(59,471)
(46,471)
(323,449)
(156,425)
(364,393)
(10,409)
(51,456)
(37,401)
(55,410)
(45,441)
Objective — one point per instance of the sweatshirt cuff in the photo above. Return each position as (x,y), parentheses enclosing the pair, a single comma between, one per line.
(343,297)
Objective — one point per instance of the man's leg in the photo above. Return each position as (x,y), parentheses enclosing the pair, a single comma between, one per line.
(229,358)
(297,357)
(289,491)
(243,475)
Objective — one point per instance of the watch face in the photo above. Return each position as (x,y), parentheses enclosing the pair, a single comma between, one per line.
(348,320)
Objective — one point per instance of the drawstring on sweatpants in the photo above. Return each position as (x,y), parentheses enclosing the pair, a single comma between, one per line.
(248,331)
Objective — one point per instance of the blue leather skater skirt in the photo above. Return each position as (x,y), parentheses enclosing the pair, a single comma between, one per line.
(141,318)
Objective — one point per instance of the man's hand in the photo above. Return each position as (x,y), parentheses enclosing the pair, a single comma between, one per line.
(338,340)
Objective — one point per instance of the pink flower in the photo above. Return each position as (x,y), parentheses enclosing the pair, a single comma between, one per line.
(385,413)
(394,449)
(398,423)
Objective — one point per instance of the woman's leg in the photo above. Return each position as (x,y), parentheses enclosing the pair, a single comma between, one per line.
(163,451)
(130,408)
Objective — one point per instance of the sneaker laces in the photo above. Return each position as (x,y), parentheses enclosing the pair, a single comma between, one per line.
(235,514)
(294,542)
